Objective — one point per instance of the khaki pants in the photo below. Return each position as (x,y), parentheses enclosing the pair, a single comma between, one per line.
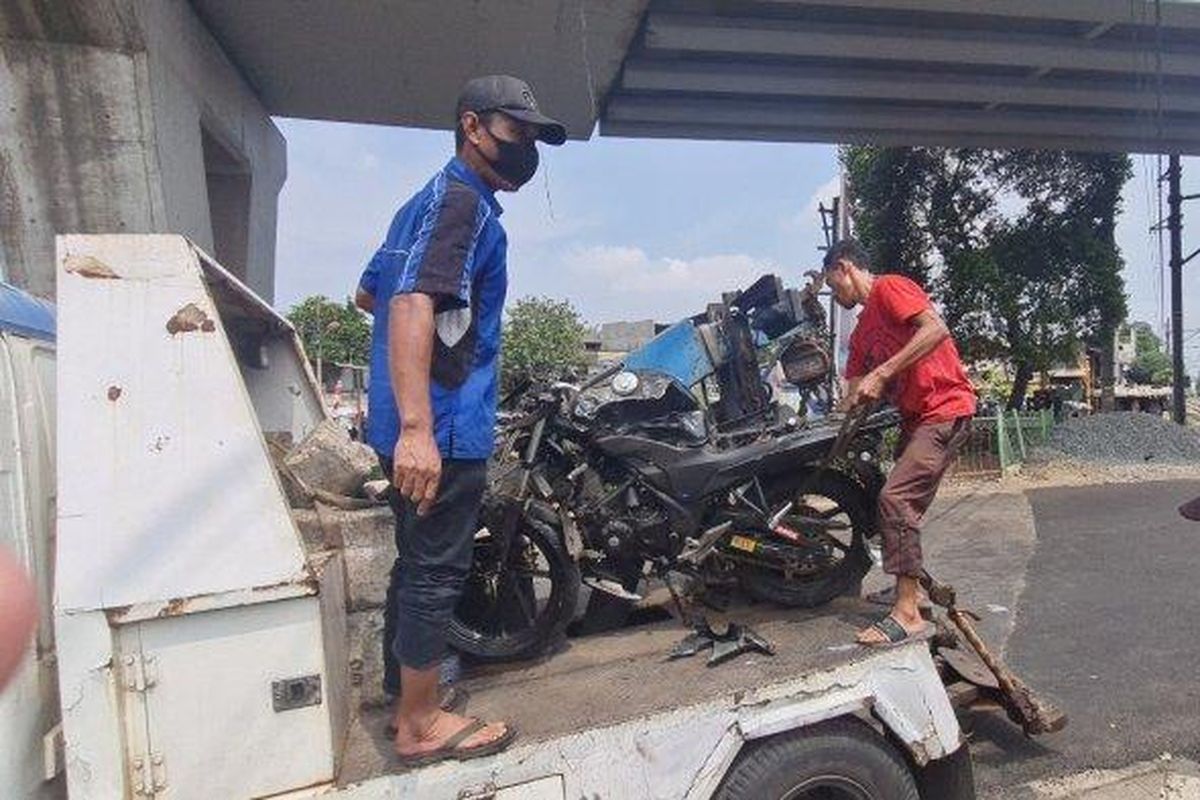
(922,458)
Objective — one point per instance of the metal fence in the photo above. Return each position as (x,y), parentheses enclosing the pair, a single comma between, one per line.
(1001,442)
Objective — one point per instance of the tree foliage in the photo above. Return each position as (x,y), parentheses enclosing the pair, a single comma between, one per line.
(1018,246)
(543,340)
(1151,365)
(332,331)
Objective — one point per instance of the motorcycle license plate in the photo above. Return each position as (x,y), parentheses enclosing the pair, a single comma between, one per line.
(743,543)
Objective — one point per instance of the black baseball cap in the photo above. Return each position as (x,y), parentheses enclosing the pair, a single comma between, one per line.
(512,96)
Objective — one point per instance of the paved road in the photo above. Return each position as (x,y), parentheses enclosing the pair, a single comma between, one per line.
(1107,624)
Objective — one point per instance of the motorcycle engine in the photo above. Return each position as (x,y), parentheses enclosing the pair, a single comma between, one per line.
(627,523)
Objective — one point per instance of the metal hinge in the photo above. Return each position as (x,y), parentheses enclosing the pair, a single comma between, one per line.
(149,774)
(140,673)
(142,784)
(158,772)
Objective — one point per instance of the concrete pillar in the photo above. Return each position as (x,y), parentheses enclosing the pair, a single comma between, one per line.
(126,116)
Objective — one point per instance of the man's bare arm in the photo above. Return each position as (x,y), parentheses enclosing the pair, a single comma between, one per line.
(931,331)
(365,300)
(418,465)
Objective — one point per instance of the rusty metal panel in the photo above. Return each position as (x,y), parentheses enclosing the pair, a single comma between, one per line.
(167,490)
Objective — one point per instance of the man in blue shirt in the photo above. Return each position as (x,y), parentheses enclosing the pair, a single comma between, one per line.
(436,287)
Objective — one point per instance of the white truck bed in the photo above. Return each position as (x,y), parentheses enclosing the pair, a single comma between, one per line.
(610,717)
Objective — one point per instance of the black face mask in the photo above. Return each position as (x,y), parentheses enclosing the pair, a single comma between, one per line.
(516,162)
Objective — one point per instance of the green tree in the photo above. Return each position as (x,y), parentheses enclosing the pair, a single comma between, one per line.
(1151,364)
(332,331)
(1027,267)
(543,340)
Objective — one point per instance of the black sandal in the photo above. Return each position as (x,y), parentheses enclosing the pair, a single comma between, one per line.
(896,634)
(450,748)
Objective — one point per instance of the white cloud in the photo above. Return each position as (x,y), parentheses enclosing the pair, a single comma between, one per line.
(809,216)
(622,282)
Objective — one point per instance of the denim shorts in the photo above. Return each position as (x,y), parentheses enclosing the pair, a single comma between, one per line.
(433,557)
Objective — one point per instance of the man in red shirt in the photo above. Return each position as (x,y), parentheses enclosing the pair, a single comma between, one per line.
(902,349)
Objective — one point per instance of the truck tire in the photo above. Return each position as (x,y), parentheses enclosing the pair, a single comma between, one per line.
(948,778)
(842,759)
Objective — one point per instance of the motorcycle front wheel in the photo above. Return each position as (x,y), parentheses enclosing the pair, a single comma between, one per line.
(518,597)
(833,557)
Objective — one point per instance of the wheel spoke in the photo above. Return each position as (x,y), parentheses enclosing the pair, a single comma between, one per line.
(518,591)
(493,619)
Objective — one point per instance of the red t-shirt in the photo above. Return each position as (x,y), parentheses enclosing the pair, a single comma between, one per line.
(936,388)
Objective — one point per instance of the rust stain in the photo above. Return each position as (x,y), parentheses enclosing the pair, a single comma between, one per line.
(117,613)
(308,581)
(190,318)
(174,607)
(89,267)
(114,392)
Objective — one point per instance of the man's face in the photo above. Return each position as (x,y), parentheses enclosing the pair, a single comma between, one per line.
(487,137)
(839,280)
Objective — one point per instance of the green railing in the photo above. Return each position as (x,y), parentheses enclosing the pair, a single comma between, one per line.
(1001,442)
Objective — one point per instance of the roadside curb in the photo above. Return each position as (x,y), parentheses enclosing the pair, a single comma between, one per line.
(1166,778)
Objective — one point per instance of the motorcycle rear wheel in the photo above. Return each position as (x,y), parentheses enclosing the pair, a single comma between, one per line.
(844,498)
(519,609)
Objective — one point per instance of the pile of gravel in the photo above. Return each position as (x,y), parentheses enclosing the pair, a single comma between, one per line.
(1125,437)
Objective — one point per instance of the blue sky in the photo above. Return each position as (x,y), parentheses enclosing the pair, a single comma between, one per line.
(624,229)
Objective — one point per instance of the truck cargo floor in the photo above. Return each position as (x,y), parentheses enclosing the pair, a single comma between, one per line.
(616,677)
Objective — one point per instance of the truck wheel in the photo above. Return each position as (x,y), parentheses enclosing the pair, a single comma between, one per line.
(842,759)
(948,778)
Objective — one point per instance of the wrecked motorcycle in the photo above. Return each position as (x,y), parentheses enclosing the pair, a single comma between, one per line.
(679,460)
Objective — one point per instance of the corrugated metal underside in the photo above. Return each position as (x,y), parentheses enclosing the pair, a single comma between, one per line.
(1112,75)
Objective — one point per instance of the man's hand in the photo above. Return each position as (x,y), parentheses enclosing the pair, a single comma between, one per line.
(867,391)
(417,470)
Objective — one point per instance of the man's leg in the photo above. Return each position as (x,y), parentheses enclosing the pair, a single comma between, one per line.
(435,556)
(391,668)
(909,490)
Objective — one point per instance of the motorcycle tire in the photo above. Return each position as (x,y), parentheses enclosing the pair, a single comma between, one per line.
(811,591)
(485,644)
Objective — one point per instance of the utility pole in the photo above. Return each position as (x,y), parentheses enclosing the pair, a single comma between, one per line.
(831,222)
(1175,200)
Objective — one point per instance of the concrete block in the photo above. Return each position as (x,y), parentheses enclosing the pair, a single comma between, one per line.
(372,528)
(368,570)
(365,630)
(309,524)
(336,527)
(328,459)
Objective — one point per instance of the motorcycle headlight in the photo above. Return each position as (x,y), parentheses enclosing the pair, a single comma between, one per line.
(624,384)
